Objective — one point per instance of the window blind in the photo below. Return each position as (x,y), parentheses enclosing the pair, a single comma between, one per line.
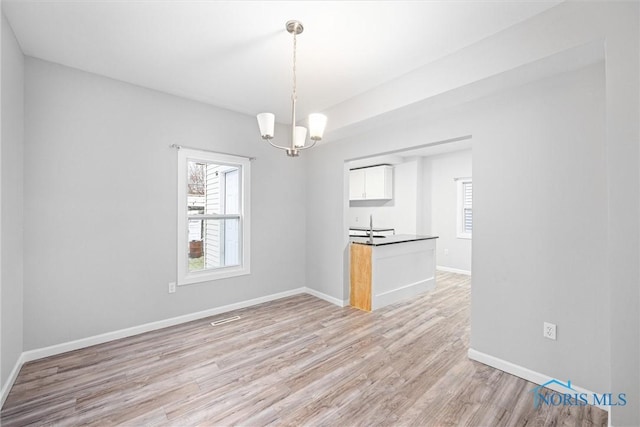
(467,197)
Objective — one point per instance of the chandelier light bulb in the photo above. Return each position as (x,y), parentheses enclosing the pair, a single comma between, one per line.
(266,123)
(317,123)
(301,136)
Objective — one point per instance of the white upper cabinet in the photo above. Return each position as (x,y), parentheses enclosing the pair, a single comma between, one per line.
(356,184)
(372,183)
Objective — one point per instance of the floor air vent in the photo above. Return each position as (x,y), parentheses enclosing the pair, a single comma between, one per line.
(227,320)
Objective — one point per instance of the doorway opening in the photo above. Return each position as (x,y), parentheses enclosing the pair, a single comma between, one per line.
(424,191)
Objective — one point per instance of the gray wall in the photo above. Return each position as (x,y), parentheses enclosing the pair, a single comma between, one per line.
(623,187)
(540,236)
(11,201)
(100,205)
(440,200)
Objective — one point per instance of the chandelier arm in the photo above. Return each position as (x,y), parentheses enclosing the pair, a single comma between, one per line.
(307,146)
(277,146)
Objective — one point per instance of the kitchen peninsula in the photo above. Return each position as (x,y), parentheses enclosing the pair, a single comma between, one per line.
(387,269)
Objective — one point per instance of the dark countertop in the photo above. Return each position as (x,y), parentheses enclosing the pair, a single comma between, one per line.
(390,240)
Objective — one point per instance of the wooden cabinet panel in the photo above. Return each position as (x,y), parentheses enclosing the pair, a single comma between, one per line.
(360,277)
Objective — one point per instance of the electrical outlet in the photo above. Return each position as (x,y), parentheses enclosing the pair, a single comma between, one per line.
(549,331)
(172,287)
(357,219)
(446,252)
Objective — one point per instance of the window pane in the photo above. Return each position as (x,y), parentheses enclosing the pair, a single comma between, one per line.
(207,185)
(213,243)
(213,194)
(195,189)
(232,192)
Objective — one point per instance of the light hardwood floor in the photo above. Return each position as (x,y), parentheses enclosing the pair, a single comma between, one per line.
(295,361)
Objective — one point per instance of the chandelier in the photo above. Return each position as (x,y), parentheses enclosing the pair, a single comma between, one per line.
(317,122)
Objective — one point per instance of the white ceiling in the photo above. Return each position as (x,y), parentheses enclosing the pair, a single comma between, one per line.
(237,54)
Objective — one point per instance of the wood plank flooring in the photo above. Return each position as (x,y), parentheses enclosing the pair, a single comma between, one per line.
(295,361)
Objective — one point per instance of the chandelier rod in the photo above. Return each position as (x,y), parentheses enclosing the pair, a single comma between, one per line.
(294,94)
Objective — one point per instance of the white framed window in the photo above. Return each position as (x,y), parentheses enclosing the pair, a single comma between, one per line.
(213,216)
(465,208)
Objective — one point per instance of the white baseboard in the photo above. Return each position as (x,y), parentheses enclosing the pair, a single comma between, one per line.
(453,270)
(328,298)
(525,373)
(11,380)
(147,327)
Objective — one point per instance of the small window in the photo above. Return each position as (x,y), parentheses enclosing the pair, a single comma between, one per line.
(465,211)
(213,216)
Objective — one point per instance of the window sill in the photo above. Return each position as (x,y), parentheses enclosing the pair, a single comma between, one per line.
(209,276)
